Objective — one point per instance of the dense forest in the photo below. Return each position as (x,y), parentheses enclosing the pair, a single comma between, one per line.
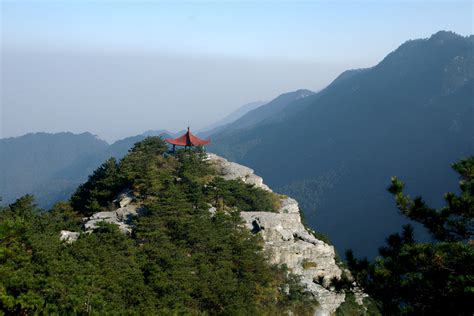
(180,258)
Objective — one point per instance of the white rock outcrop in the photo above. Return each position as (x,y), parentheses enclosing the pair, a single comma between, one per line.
(287,240)
(121,217)
(68,236)
(231,170)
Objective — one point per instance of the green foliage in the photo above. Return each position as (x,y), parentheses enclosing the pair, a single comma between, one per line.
(99,190)
(411,278)
(455,221)
(295,297)
(243,196)
(180,259)
(144,170)
(61,217)
(342,284)
(309,264)
(193,174)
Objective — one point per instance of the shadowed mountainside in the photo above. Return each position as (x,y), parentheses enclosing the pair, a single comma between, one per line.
(411,116)
(228,119)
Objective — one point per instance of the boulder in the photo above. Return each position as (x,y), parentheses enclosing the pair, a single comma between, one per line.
(126,213)
(122,217)
(124,198)
(68,236)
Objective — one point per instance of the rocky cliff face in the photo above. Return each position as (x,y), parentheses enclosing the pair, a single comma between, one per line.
(122,217)
(286,240)
(289,242)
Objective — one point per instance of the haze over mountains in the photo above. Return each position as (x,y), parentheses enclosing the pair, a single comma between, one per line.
(270,110)
(334,151)
(410,116)
(257,115)
(238,113)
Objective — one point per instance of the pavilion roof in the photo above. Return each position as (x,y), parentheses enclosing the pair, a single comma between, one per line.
(187,139)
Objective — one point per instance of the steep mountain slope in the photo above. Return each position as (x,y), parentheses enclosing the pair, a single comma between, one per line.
(271,109)
(347,75)
(411,116)
(235,115)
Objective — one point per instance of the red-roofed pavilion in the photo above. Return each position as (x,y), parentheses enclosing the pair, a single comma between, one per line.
(187,140)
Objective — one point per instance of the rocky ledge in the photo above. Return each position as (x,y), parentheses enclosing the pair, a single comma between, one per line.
(288,242)
(122,217)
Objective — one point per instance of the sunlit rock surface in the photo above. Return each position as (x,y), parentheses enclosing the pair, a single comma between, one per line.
(231,170)
(68,236)
(288,242)
(121,217)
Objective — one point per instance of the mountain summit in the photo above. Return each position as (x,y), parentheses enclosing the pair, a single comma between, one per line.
(160,233)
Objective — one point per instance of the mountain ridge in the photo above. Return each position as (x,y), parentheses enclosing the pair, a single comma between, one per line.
(230,118)
(269,109)
(404,116)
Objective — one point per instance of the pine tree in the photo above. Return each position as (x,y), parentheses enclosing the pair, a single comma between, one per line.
(411,278)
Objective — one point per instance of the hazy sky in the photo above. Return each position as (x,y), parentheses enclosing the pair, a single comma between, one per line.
(118,68)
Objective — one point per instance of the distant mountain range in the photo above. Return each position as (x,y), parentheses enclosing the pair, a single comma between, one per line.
(51,166)
(412,115)
(260,113)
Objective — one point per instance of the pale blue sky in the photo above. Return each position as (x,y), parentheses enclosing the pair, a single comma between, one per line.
(119,68)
